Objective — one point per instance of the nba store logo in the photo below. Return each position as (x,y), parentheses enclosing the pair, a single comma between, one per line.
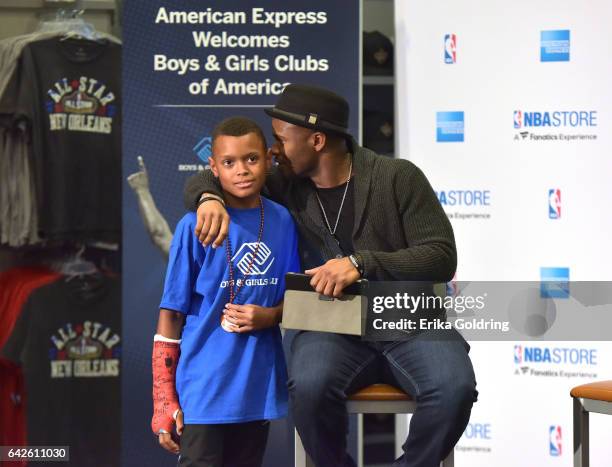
(554,203)
(450,48)
(578,356)
(555,440)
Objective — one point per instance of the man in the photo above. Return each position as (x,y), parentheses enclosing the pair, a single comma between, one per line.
(358,215)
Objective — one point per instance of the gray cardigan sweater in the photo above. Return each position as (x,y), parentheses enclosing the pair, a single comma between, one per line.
(400,229)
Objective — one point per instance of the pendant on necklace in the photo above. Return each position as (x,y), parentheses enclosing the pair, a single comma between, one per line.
(227,326)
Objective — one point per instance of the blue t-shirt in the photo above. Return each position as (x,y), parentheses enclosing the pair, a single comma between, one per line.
(225,377)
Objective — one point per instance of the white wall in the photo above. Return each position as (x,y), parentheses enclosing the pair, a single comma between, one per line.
(499,71)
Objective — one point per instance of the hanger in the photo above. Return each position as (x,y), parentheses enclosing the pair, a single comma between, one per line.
(71,23)
(77,266)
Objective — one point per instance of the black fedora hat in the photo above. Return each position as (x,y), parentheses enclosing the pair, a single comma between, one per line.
(312,107)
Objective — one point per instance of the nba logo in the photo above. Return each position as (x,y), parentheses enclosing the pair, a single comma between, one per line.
(518,119)
(555,441)
(450,48)
(554,203)
(518,354)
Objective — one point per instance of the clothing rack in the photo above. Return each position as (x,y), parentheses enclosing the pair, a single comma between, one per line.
(19,225)
(82,4)
(18,17)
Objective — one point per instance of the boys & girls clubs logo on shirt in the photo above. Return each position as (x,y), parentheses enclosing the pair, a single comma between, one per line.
(259,259)
(253,261)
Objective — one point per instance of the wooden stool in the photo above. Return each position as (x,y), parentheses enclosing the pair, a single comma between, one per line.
(593,397)
(377,398)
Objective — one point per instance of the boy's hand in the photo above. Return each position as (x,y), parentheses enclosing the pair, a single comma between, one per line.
(213,223)
(332,277)
(251,317)
(179,422)
(169,441)
(165,399)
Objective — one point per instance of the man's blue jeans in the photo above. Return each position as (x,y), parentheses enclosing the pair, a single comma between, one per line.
(433,367)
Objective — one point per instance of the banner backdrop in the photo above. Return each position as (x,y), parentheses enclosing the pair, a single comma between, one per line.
(187,66)
(507,108)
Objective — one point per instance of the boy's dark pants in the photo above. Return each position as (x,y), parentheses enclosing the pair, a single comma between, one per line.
(224,445)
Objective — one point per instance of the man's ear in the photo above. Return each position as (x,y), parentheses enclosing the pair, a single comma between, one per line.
(268,159)
(213,167)
(319,140)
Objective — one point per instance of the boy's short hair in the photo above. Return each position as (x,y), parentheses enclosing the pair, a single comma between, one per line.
(238,126)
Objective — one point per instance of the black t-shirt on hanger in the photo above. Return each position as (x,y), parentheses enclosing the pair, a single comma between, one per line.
(68,341)
(70,92)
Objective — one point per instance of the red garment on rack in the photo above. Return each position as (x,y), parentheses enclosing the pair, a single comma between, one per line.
(16,285)
(12,408)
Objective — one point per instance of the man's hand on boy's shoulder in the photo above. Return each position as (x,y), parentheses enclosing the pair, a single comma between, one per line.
(212,225)
(169,441)
(252,317)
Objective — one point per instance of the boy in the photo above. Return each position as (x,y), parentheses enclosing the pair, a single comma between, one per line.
(231,377)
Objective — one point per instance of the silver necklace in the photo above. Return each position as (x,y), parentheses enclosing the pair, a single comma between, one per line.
(333,232)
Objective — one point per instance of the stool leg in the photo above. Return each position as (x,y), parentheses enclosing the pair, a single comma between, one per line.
(450,459)
(301,458)
(359,440)
(401,433)
(581,435)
